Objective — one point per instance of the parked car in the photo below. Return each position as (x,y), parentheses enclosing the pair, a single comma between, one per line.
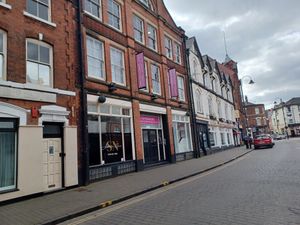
(263,141)
(279,136)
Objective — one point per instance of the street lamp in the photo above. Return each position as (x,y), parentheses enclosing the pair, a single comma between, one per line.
(250,82)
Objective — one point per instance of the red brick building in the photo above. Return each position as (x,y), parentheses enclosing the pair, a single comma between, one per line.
(230,67)
(38,98)
(133,52)
(256,115)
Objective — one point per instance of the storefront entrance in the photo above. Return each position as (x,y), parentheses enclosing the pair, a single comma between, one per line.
(153,139)
(153,146)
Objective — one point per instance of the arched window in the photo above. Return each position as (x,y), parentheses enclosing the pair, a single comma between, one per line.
(39,63)
(199,102)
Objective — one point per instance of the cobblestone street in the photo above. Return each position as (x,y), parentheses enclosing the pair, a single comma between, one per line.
(261,188)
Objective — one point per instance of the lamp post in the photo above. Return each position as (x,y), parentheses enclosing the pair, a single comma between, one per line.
(251,82)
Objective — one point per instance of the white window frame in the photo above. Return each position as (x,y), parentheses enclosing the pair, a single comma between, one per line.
(115,16)
(177,52)
(37,16)
(176,119)
(99,5)
(121,67)
(137,30)
(3,4)
(4,54)
(150,39)
(99,59)
(168,47)
(181,90)
(98,113)
(146,89)
(14,186)
(158,70)
(256,110)
(41,43)
(258,121)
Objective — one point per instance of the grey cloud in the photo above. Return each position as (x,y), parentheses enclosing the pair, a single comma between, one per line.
(263,36)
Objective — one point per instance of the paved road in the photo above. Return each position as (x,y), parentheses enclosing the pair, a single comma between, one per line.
(261,188)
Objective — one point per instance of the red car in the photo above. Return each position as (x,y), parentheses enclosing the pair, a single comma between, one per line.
(263,141)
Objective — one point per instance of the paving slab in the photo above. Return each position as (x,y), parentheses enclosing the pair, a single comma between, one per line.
(55,207)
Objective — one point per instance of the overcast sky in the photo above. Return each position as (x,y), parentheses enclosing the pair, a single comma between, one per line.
(263,36)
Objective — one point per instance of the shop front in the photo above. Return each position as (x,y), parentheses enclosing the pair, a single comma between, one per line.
(110,138)
(153,138)
(182,136)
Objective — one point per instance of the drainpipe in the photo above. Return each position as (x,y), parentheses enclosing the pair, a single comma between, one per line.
(192,106)
(84,170)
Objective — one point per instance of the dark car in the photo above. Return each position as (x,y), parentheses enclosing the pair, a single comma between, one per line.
(263,141)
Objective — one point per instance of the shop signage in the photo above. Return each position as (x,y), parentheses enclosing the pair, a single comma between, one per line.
(150,120)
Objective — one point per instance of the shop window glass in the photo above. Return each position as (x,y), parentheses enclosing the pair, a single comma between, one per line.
(127,138)
(111,136)
(93,140)
(182,136)
(110,139)
(105,109)
(8,154)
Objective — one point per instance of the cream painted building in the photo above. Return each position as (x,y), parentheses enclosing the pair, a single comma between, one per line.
(213,101)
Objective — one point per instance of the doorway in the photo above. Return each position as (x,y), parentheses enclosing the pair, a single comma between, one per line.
(154,150)
(53,163)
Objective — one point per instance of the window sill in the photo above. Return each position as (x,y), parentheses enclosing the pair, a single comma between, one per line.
(9,191)
(5,5)
(92,16)
(39,19)
(36,88)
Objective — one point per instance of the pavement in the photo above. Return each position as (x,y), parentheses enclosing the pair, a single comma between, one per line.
(61,206)
(261,188)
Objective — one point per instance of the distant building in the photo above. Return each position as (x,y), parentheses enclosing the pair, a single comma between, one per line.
(212,100)
(256,118)
(286,117)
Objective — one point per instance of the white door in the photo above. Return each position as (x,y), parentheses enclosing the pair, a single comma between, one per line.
(52,171)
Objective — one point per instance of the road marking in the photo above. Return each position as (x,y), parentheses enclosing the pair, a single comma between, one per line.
(148,195)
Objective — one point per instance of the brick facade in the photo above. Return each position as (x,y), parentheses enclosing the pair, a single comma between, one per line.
(33,105)
(156,15)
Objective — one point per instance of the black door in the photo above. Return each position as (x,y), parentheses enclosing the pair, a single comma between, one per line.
(150,146)
(203,137)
